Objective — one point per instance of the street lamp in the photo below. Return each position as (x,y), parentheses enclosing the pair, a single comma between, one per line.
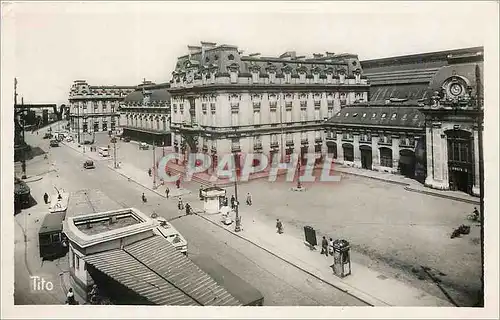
(154,165)
(237,227)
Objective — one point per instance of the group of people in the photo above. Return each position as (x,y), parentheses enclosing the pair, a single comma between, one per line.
(93,296)
(327,246)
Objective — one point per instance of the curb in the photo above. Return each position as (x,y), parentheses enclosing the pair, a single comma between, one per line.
(439,195)
(364,300)
(375,178)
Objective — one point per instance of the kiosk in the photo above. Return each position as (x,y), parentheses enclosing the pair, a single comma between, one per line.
(211,202)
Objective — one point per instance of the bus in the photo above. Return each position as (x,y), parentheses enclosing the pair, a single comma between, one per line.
(103,151)
(51,239)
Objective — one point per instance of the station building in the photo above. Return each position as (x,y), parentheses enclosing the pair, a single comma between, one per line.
(95,108)
(226,102)
(145,114)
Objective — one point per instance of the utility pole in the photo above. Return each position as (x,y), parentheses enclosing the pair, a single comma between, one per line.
(237,227)
(154,165)
(479,102)
(114,150)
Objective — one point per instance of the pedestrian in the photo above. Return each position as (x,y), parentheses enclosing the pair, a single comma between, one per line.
(330,246)
(167,191)
(149,172)
(70,297)
(279,226)
(324,246)
(179,204)
(249,199)
(233,200)
(46,198)
(188,209)
(201,192)
(178,183)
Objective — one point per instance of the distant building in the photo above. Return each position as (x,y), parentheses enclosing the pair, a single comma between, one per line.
(145,114)
(225,102)
(95,108)
(421,120)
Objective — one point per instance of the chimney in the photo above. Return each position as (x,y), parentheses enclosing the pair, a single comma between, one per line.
(330,54)
(205,46)
(317,55)
(300,58)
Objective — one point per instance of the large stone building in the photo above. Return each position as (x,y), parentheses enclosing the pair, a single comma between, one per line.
(224,102)
(95,108)
(145,114)
(421,120)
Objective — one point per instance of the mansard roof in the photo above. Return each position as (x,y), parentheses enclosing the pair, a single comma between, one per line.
(396,115)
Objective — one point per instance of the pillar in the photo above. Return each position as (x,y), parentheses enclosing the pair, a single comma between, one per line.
(375,153)
(476,188)
(437,175)
(357,151)
(340,150)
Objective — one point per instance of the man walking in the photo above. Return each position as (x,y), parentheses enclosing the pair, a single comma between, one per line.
(233,200)
(178,183)
(279,226)
(167,191)
(324,246)
(46,198)
(330,246)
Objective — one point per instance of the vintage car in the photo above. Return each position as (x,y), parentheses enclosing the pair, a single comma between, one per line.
(113,140)
(126,139)
(143,146)
(69,139)
(54,143)
(88,164)
(48,135)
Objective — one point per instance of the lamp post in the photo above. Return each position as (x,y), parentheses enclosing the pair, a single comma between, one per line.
(237,227)
(154,165)
(114,151)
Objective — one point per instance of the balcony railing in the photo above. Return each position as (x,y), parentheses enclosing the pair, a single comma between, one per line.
(289,143)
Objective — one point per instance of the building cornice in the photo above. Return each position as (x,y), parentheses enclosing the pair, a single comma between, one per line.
(269,87)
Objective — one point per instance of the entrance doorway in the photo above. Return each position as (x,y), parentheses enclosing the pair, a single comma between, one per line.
(366,157)
(407,163)
(460,180)
(303,155)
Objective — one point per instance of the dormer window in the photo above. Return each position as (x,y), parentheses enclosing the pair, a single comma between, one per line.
(374,115)
(288,77)
(364,115)
(384,115)
(316,77)
(342,77)
(329,77)
(357,76)
(302,77)
(347,114)
(230,57)
(393,116)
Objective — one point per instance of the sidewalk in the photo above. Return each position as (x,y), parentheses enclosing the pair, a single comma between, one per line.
(363,283)
(409,184)
(142,178)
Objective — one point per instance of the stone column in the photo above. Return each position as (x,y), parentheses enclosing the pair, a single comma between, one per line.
(357,151)
(395,153)
(476,188)
(437,176)
(375,153)
(340,150)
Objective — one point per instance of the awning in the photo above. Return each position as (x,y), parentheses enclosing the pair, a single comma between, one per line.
(123,268)
(405,159)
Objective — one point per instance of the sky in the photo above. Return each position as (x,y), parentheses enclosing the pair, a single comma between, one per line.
(120,43)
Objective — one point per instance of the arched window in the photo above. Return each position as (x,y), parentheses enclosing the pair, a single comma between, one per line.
(230,57)
(348,152)
(386,157)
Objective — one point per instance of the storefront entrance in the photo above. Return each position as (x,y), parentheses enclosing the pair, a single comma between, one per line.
(460,179)
(366,157)
(460,159)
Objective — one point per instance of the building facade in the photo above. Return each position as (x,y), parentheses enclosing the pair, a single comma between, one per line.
(422,120)
(224,102)
(145,114)
(95,108)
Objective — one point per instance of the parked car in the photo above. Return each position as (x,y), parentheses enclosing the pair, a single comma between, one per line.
(143,146)
(48,135)
(54,143)
(113,140)
(126,139)
(87,142)
(88,164)
(69,139)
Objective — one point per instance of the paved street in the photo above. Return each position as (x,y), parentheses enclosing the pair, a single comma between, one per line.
(280,283)
(386,234)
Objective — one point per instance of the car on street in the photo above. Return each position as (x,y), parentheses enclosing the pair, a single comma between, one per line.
(88,164)
(172,235)
(48,135)
(126,139)
(143,146)
(54,143)
(69,139)
(113,140)
(87,142)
